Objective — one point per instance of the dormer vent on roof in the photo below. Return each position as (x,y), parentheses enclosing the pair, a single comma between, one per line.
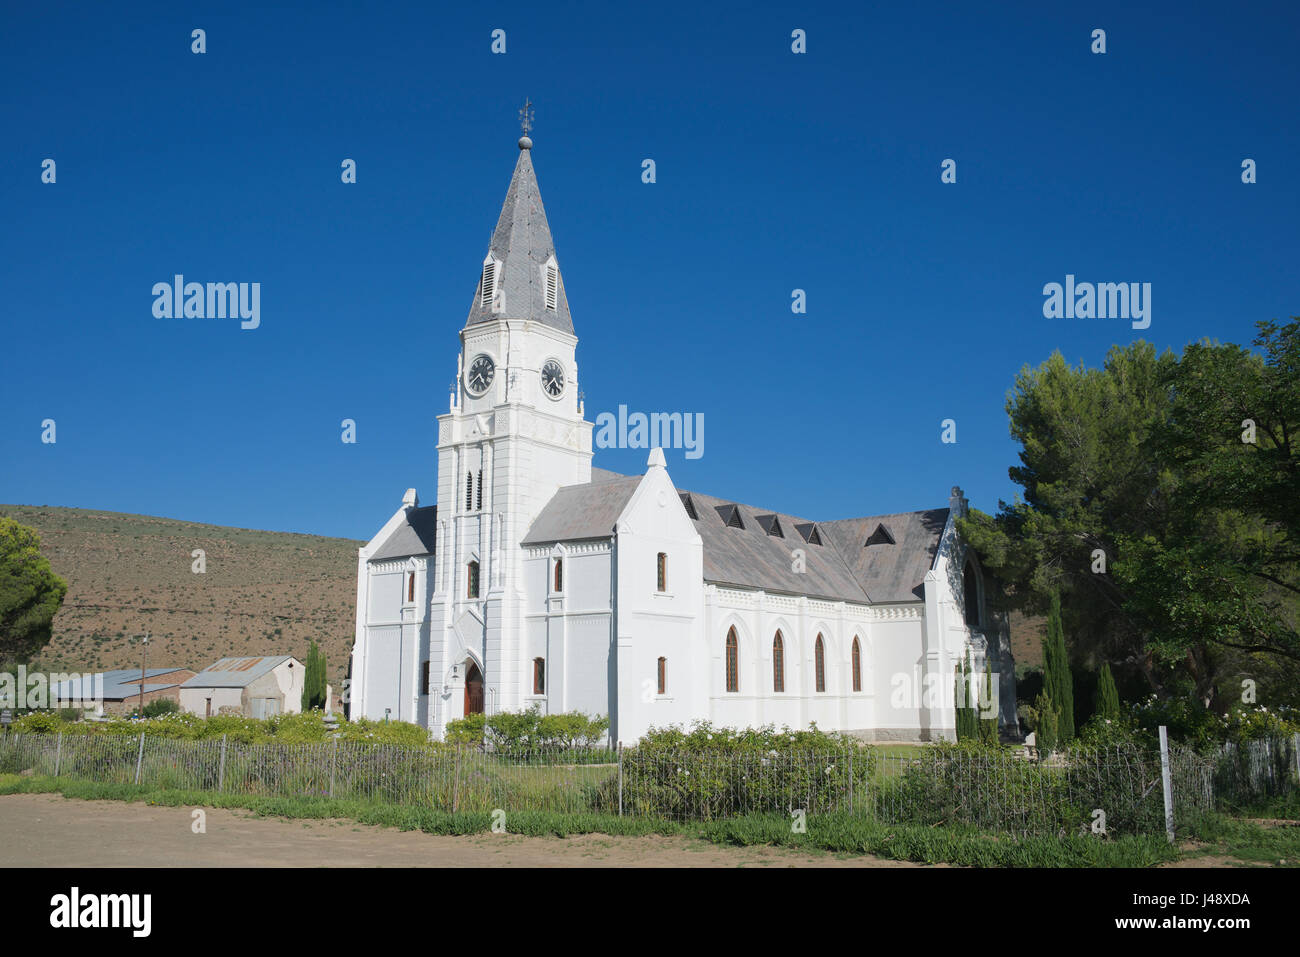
(808,531)
(772,525)
(731,516)
(881,536)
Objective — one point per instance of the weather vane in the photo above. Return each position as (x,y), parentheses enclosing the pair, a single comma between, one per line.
(526,116)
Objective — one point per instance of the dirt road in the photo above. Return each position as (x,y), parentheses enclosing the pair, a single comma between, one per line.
(49,829)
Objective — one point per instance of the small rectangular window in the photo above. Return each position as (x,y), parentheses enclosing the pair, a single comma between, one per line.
(663,675)
(662,572)
(539,676)
(471,587)
(424,678)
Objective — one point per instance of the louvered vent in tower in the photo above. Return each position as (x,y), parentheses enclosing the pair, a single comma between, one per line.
(552,285)
(489,284)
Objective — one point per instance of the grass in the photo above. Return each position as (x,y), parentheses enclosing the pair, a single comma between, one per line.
(825,833)
(1248,840)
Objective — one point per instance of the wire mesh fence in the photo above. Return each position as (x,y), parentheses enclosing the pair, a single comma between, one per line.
(1019,791)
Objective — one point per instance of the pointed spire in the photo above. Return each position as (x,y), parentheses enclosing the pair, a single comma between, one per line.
(521,252)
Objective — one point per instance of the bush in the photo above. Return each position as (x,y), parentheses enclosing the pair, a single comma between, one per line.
(160,706)
(527,732)
(711,772)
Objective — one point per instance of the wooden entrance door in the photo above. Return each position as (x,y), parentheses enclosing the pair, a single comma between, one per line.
(473,689)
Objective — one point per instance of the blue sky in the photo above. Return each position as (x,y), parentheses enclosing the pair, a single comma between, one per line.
(775,171)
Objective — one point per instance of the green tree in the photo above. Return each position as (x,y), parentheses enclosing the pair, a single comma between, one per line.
(30,593)
(1046,731)
(1087,475)
(1107,693)
(1058,681)
(988,727)
(966,715)
(1162,502)
(313,688)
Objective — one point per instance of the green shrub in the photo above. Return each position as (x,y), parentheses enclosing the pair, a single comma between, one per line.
(711,772)
(467,730)
(161,706)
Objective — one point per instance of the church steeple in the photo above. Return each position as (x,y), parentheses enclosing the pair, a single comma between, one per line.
(520,278)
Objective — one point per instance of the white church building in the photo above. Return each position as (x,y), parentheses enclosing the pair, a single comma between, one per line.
(538,581)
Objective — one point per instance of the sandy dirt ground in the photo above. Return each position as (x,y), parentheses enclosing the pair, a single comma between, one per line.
(49,829)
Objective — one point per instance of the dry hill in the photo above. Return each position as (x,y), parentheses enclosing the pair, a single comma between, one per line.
(263,592)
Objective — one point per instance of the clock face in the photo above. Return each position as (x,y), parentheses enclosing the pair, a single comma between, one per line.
(480,374)
(553,379)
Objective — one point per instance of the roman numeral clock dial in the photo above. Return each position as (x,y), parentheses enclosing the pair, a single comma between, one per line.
(553,379)
(479,376)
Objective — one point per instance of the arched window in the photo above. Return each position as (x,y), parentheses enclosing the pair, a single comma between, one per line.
(971,594)
(778,663)
(410,586)
(857,664)
(733,661)
(662,569)
(820,655)
(471,584)
(539,676)
(663,675)
(559,574)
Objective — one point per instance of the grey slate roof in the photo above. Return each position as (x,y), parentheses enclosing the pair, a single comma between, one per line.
(415,536)
(842,568)
(111,685)
(235,672)
(889,572)
(751,558)
(522,241)
(582,511)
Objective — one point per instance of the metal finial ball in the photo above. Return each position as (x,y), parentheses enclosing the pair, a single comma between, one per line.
(525,143)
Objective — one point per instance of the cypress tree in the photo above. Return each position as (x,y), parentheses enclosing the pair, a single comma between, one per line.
(1107,693)
(1058,683)
(313,686)
(989,726)
(1046,734)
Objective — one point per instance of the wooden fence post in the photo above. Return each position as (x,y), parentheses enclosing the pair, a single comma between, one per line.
(221,768)
(139,757)
(58,754)
(334,755)
(1167,783)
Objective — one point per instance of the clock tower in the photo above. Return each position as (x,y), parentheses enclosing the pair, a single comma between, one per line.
(514,434)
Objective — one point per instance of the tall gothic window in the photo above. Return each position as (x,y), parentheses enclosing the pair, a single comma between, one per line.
(559,575)
(410,586)
(857,664)
(971,594)
(778,663)
(820,655)
(471,583)
(733,661)
(424,678)
(539,676)
(663,675)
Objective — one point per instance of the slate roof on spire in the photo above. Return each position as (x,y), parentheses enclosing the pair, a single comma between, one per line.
(522,242)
